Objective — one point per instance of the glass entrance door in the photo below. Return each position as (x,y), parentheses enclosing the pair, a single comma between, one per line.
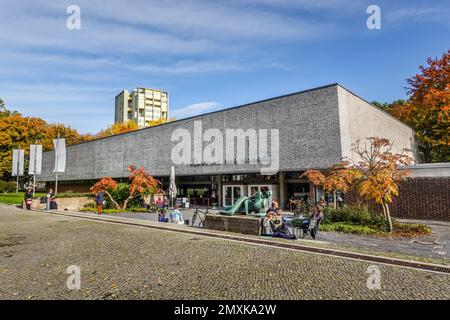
(231,194)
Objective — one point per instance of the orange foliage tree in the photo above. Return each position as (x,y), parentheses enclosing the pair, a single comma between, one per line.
(339,179)
(53,130)
(428,107)
(106,185)
(17,131)
(141,182)
(117,128)
(377,175)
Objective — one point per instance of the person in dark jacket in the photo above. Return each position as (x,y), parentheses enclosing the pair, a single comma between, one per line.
(99,198)
(51,200)
(28,198)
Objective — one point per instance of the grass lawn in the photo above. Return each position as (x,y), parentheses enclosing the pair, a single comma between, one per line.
(15,198)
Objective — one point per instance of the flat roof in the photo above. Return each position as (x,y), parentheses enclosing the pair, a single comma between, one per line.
(243,106)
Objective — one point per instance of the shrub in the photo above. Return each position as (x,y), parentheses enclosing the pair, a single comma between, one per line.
(350,228)
(90,209)
(411,229)
(7,186)
(71,194)
(90,205)
(356,215)
(120,194)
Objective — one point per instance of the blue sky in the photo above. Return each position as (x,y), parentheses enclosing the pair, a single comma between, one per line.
(208,55)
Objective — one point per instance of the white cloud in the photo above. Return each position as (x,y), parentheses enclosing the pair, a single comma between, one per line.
(411,13)
(195,109)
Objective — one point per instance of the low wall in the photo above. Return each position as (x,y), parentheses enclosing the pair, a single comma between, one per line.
(239,224)
(69,204)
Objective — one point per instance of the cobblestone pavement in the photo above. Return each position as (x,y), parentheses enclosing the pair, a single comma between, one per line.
(125,262)
(435,246)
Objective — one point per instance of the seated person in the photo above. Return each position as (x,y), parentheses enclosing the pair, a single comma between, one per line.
(162,216)
(276,212)
(268,223)
(176,216)
(275,208)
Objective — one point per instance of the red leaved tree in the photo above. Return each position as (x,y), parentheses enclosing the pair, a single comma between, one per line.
(106,185)
(141,182)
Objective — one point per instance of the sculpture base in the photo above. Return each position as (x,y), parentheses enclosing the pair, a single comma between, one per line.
(237,223)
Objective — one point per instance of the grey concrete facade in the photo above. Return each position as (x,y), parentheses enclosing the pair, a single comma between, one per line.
(316,129)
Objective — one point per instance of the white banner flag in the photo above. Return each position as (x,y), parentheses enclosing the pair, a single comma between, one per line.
(60,155)
(35,159)
(18,162)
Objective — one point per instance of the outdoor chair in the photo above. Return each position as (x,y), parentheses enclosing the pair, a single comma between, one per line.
(312,229)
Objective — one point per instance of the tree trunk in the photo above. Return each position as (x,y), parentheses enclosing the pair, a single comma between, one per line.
(384,212)
(116,205)
(388,214)
(334,200)
(125,204)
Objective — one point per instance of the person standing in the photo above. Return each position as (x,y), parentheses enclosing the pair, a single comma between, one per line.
(50,199)
(340,201)
(28,198)
(317,217)
(99,199)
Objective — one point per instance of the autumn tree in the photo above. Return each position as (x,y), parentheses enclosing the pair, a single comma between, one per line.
(17,132)
(340,178)
(107,185)
(141,183)
(55,130)
(376,171)
(428,107)
(117,128)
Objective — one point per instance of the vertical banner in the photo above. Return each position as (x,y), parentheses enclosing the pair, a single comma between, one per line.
(18,162)
(60,155)
(35,159)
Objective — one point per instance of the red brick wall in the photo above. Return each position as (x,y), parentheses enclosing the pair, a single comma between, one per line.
(419,198)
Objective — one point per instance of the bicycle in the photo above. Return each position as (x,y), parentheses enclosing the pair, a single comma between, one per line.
(202,219)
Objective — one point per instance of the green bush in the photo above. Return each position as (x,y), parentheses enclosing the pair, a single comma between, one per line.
(411,228)
(90,209)
(7,186)
(356,215)
(71,194)
(346,227)
(90,205)
(120,194)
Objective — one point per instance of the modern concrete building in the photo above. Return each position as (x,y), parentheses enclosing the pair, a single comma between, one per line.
(316,128)
(142,106)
